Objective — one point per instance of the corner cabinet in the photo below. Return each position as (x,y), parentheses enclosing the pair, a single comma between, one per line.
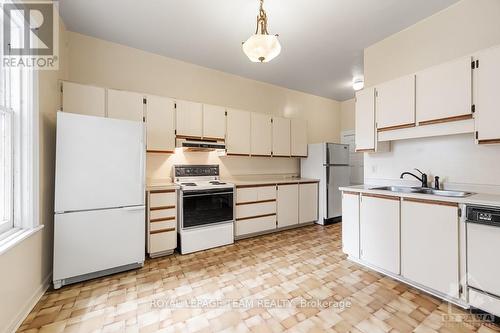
(298,138)
(281,137)
(365,120)
(160,124)
(429,244)
(444,93)
(395,104)
(125,105)
(238,132)
(350,224)
(83,99)
(189,119)
(379,231)
(487,96)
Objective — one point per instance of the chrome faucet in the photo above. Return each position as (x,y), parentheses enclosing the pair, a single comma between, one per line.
(422,179)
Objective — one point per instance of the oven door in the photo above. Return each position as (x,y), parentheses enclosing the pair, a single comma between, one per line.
(206,207)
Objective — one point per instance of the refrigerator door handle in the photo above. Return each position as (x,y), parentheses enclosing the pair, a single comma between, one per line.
(327,169)
(134,208)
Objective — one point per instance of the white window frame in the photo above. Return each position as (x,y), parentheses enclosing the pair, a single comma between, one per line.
(25,159)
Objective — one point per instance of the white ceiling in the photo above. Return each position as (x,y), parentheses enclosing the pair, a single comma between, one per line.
(322,40)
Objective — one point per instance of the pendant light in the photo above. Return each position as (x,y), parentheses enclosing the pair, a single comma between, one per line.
(262,47)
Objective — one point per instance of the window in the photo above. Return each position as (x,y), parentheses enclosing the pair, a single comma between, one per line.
(18,144)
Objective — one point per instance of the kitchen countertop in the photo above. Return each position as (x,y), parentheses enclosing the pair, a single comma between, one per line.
(476,199)
(161,186)
(268,180)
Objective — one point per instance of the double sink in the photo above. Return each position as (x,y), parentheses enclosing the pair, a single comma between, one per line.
(424,190)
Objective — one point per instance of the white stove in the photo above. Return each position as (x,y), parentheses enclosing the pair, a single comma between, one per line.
(206,208)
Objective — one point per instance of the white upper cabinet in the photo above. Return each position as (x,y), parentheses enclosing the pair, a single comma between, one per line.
(444,92)
(395,104)
(238,132)
(487,96)
(160,124)
(214,122)
(84,99)
(126,105)
(261,137)
(189,119)
(281,136)
(365,120)
(298,138)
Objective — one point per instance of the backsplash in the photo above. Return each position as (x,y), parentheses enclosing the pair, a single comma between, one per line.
(456,159)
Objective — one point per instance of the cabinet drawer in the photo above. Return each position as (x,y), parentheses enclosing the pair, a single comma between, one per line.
(162,199)
(251,194)
(155,226)
(256,209)
(162,213)
(251,226)
(163,241)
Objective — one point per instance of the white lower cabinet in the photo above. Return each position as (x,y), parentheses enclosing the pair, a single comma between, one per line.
(429,244)
(350,224)
(308,202)
(379,231)
(161,222)
(288,200)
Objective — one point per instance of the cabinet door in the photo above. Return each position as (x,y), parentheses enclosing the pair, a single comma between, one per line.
(298,138)
(238,132)
(365,120)
(395,104)
(261,137)
(429,245)
(125,105)
(350,224)
(308,202)
(444,92)
(487,96)
(83,99)
(214,122)
(281,136)
(288,200)
(189,119)
(160,124)
(379,232)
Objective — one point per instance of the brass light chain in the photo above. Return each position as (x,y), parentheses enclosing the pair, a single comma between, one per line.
(262,20)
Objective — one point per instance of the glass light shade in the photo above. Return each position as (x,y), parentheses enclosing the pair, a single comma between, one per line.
(262,48)
(358,84)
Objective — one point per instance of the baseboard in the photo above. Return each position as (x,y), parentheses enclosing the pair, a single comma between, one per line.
(29,305)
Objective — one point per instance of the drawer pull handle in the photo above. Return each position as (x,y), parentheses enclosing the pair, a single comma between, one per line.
(162,231)
(170,218)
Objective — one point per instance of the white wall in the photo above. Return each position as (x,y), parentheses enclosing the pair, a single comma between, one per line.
(347,114)
(461,29)
(99,62)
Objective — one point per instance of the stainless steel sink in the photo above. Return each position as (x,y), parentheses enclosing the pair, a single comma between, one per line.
(423,190)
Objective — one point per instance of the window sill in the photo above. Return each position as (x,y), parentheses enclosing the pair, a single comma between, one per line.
(15,237)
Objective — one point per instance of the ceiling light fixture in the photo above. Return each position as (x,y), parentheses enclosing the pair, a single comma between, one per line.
(262,47)
(358,84)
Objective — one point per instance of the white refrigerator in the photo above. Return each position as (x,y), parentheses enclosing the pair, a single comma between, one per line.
(328,162)
(99,220)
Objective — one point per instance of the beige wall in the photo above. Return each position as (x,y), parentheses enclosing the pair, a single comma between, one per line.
(95,61)
(27,268)
(463,28)
(347,116)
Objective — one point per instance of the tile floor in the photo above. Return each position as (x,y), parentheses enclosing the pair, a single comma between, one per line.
(296,281)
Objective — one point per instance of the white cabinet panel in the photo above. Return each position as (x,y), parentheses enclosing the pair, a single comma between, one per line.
(214,122)
(125,105)
(298,138)
(350,224)
(84,99)
(281,136)
(308,202)
(487,96)
(189,119)
(379,232)
(261,137)
(260,193)
(255,209)
(238,132)
(288,200)
(444,91)
(395,103)
(250,226)
(160,124)
(163,241)
(365,119)
(429,245)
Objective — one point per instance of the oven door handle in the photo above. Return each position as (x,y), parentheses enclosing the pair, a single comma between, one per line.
(186,195)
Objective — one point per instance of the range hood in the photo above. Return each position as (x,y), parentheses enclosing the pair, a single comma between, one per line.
(199,145)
